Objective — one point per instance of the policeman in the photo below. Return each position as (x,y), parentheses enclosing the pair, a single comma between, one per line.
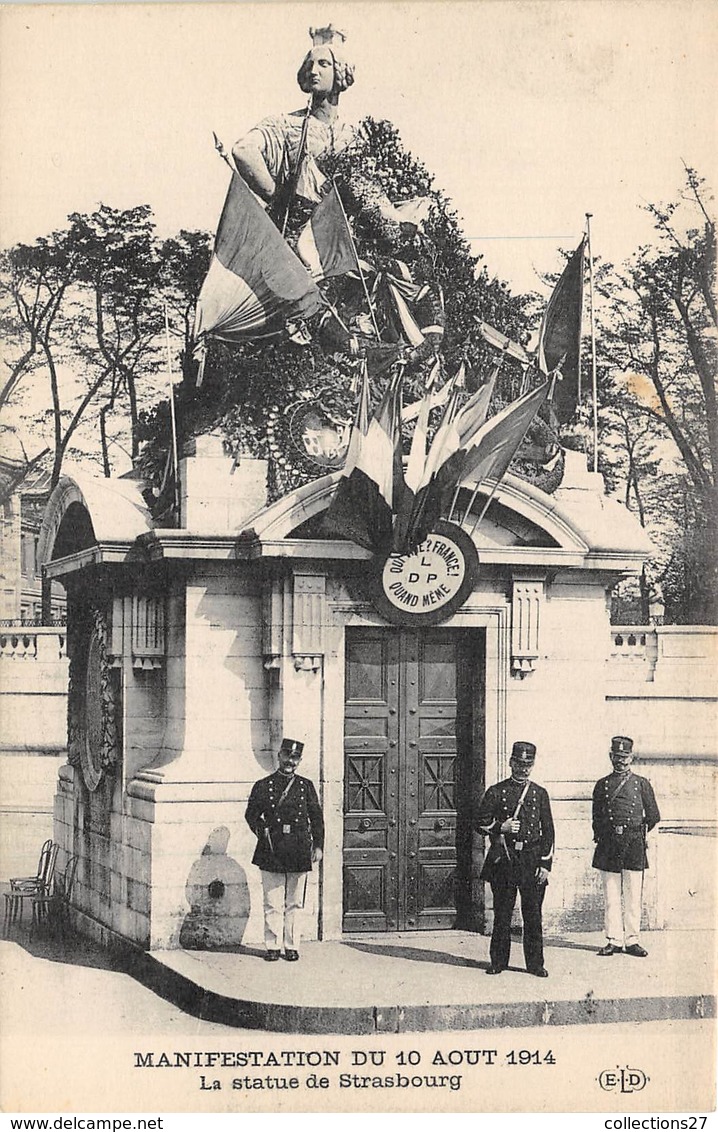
(284,814)
(624,810)
(516,816)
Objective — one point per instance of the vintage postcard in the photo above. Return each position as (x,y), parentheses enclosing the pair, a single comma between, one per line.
(359,598)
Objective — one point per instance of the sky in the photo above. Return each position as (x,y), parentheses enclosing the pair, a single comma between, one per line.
(529,114)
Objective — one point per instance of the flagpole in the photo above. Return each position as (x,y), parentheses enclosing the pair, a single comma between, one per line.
(337,316)
(594,383)
(356,258)
(294,178)
(485,507)
(175,459)
(223,152)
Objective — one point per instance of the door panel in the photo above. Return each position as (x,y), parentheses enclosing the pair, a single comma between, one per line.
(408,695)
(437,660)
(370,777)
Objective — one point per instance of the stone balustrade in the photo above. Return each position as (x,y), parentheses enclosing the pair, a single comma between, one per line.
(660,653)
(33,738)
(44,643)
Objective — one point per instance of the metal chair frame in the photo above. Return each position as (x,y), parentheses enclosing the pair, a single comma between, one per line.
(26,888)
(52,908)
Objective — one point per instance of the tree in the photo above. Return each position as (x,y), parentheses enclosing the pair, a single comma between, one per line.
(84,308)
(38,279)
(118,270)
(658,343)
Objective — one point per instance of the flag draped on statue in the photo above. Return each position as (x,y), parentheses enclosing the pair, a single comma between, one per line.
(255,283)
(559,344)
(365,499)
(324,244)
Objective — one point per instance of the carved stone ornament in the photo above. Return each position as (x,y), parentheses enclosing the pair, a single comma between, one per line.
(93,695)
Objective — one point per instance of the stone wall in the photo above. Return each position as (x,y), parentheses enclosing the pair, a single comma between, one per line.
(662,691)
(33,740)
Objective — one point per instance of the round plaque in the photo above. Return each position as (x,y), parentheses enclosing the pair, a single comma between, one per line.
(317,436)
(428,585)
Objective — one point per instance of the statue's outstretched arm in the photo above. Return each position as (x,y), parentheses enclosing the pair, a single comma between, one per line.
(251,165)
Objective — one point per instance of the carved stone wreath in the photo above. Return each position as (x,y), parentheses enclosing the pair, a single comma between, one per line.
(93,732)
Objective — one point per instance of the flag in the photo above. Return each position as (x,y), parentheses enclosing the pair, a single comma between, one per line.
(442,470)
(559,344)
(255,283)
(324,244)
(415,466)
(361,424)
(500,342)
(492,447)
(411,310)
(414,211)
(363,505)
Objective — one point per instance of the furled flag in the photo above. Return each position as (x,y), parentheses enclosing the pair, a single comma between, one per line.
(413,311)
(324,244)
(255,283)
(415,466)
(361,424)
(363,505)
(559,344)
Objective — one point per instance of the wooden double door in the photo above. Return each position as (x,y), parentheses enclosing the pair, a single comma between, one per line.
(413,770)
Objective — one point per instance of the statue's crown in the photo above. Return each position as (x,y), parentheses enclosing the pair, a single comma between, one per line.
(328,35)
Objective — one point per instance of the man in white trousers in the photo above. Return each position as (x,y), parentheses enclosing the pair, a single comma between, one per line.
(284,814)
(624,811)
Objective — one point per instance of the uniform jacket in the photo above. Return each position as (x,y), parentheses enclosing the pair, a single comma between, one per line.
(286,833)
(620,821)
(516,856)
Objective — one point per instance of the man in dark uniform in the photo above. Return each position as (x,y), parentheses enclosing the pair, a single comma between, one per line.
(284,814)
(624,810)
(516,816)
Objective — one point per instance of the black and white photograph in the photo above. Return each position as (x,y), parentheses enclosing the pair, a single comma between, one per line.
(358,579)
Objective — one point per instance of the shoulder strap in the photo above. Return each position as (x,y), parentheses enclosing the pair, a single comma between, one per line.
(619,788)
(284,793)
(520,802)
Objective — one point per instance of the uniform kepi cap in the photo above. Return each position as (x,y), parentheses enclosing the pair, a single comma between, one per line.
(523,752)
(621,745)
(291,747)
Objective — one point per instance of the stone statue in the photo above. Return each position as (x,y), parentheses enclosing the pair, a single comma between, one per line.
(282,156)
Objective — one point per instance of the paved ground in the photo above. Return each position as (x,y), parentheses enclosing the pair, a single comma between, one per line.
(73,1021)
(47,987)
(428,981)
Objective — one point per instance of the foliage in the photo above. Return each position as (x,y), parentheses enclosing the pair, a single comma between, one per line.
(82,309)
(659,423)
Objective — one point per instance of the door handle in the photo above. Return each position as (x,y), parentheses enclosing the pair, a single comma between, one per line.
(364,824)
(440,823)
